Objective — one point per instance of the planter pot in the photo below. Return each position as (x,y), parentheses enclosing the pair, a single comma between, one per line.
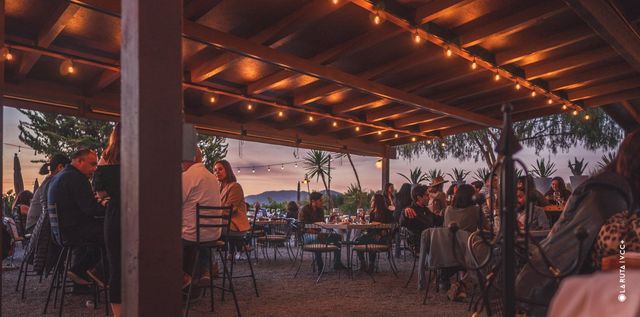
(577,180)
(542,184)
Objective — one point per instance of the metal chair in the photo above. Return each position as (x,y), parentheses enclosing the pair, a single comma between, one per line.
(38,245)
(380,247)
(313,239)
(278,233)
(220,220)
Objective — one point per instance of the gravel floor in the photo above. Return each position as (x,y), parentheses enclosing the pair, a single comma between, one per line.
(280,295)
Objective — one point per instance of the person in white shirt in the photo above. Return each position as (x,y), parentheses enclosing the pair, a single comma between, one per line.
(199,186)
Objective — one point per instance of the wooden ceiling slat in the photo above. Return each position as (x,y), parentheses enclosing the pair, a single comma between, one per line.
(388,112)
(543,44)
(308,14)
(631,110)
(436,9)
(106,78)
(545,68)
(440,124)
(615,97)
(514,23)
(51,29)
(359,43)
(586,77)
(196,9)
(359,103)
(604,89)
(610,24)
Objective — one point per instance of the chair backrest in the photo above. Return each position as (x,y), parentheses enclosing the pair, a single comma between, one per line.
(311,233)
(442,250)
(12,228)
(279,227)
(52,210)
(221,220)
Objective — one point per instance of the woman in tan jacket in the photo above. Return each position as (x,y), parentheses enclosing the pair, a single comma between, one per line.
(231,194)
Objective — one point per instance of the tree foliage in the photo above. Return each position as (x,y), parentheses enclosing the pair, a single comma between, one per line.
(554,133)
(49,133)
(213,148)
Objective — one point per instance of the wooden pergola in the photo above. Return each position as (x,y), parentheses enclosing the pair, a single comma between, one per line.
(345,76)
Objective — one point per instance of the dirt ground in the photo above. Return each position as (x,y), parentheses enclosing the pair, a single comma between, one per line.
(280,294)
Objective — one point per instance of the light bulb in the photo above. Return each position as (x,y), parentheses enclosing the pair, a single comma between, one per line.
(448,52)
(518,86)
(282,167)
(379,132)
(549,101)
(357,129)
(474,65)
(310,118)
(564,107)
(253,170)
(238,171)
(575,112)
(376,18)
(249,107)
(416,37)
(395,135)
(268,168)
(496,77)
(335,1)
(587,117)
(295,165)
(443,144)
(6,54)
(67,67)
(212,99)
(413,139)
(428,141)
(280,114)
(335,124)
(533,93)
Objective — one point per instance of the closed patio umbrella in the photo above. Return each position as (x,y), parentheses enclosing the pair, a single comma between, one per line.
(18,184)
(36,185)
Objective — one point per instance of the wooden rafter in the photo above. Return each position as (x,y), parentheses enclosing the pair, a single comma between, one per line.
(436,9)
(633,112)
(51,29)
(306,15)
(196,9)
(571,81)
(545,68)
(542,44)
(604,89)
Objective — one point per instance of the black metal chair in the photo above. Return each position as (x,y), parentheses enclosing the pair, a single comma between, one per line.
(59,280)
(220,220)
(313,239)
(243,243)
(36,252)
(380,247)
(278,233)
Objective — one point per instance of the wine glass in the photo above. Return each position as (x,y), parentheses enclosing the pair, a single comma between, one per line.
(557,197)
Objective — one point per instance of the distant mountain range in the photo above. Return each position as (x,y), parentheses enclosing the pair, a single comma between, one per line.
(279,196)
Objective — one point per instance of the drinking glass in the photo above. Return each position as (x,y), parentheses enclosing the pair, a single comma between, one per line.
(557,197)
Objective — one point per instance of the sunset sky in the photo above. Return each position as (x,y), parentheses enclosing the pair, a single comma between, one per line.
(257,154)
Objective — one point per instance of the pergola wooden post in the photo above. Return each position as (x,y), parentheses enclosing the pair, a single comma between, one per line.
(2,16)
(151,100)
(385,173)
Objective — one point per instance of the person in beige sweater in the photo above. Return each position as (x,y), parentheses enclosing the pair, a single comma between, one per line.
(231,194)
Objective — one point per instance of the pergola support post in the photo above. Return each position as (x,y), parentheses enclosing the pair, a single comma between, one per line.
(151,101)
(385,172)
(2,35)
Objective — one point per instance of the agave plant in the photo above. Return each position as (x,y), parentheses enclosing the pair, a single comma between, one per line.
(543,168)
(519,172)
(606,159)
(481,174)
(577,167)
(458,175)
(433,173)
(416,176)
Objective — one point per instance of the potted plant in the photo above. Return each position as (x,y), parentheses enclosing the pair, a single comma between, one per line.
(433,174)
(543,170)
(481,174)
(577,169)
(416,176)
(458,175)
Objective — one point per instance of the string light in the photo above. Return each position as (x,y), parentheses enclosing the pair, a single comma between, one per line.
(448,52)
(549,101)
(575,112)
(238,171)
(280,114)
(253,170)
(268,168)
(6,54)
(282,167)
(533,93)
(379,132)
(416,37)
(443,144)
(413,139)
(357,129)
(473,64)
(375,17)
(310,118)
(213,99)
(249,107)
(428,141)
(518,86)
(67,67)
(395,135)
(496,77)
(587,116)
(335,124)
(379,163)
(564,107)
(296,165)
(335,1)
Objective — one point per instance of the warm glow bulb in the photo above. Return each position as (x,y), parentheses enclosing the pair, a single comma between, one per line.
(67,67)
(564,107)
(6,54)
(518,86)
(587,117)
(533,93)
(253,170)
(549,101)
(335,124)
(335,1)
(280,114)
(357,129)
(282,167)
(428,141)
(474,65)
(379,163)
(413,139)
(379,132)
(249,106)
(395,135)
(448,52)
(575,112)
(268,168)
(238,171)
(212,99)
(496,77)
(443,144)
(310,118)
(416,37)
(375,17)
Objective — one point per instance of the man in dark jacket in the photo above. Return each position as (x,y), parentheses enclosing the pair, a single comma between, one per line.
(418,217)
(77,209)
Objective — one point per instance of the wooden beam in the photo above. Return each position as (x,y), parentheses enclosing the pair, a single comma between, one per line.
(359,103)
(358,43)
(196,9)
(611,98)
(572,81)
(306,15)
(439,124)
(229,42)
(517,22)
(436,9)
(542,44)
(53,26)
(603,89)
(390,112)
(633,112)
(609,22)
(106,78)
(545,68)
(151,154)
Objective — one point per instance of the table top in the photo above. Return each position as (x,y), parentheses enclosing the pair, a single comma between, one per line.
(348,225)
(553,208)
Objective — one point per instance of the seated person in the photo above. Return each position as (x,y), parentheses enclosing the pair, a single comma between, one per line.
(39,201)
(199,186)
(478,197)
(77,207)
(463,211)
(417,217)
(536,196)
(379,213)
(292,210)
(558,191)
(314,212)
(537,218)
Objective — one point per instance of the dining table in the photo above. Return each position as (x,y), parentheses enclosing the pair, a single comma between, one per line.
(553,212)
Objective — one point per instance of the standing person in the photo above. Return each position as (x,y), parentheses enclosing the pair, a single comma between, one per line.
(312,213)
(600,199)
(438,199)
(231,194)
(20,209)
(106,184)
(557,186)
(39,201)
(389,196)
(77,210)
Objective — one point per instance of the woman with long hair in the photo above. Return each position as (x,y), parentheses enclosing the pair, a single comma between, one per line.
(557,191)
(463,210)
(106,184)
(389,196)
(292,210)
(378,213)
(20,209)
(607,200)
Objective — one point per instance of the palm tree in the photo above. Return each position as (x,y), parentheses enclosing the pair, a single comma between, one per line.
(316,163)
(416,176)
(355,172)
